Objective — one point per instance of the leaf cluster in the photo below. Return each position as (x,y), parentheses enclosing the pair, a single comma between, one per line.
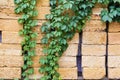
(112,14)
(66,18)
(27,9)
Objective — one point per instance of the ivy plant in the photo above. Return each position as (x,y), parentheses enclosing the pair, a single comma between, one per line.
(66,18)
(27,9)
(112,14)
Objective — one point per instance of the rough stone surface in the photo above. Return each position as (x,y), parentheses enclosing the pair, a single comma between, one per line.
(10,25)
(10,49)
(39,49)
(94,73)
(67,62)
(93,61)
(94,38)
(68,73)
(72,50)
(114,38)
(4,2)
(114,27)
(42,12)
(113,61)
(97,10)
(11,61)
(94,26)
(10,37)
(114,50)
(10,73)
(93,50)
(114,73)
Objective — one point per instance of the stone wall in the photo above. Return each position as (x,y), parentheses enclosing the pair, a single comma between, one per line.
(100,46)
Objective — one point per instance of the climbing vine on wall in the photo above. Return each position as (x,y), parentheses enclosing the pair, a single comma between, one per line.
(27,9)
(112,13)
(66,18)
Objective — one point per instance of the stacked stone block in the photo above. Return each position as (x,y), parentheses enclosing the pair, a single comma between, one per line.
(94,47)
(11,59)
(114,51)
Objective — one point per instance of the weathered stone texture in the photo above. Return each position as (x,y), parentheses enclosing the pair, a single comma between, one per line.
(93,50)
(114,27)
(114,61)
(114,73)
(93,73)
(10,49)
(94,26)
(114,50)
(94,38)
(10,73)
(114,38)
(93,61)
(11,61)
(11,37)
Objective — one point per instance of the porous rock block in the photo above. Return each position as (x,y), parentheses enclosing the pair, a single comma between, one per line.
(64,62)
(114,50)
(10,49)
(10,73)
(66,73)
(10,25)
(114,61)
(11,61)
(11,37)
(42,12)
(114,73)
(114,38)
(39,37)
(114,27)
(96,13)
(4,2)
(94,26)
(75,39)
(93,61)
(95,17)
(43,3)
(67,62)
(94,37)
(94,73)
(93,50)
(39,48)
(72,50)
(8,12)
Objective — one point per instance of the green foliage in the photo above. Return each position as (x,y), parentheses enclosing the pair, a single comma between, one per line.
(112,13)
(66,18)
(27,9)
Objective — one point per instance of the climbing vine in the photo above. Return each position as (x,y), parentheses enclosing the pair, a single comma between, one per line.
(112,14)
(66,18)
(27,9)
